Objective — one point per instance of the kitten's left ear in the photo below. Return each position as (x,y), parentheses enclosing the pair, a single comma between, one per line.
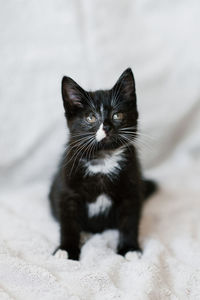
(125,85)
(72,95)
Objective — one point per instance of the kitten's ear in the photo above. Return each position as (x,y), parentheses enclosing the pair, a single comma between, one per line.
(72,95)
(125,85)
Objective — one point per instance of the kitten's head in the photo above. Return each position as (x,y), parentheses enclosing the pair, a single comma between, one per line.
(104,119)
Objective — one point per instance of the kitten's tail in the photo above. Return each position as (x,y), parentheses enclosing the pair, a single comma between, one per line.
(149,187)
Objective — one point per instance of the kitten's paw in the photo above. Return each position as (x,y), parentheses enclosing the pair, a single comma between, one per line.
(74,254)
(126,249)
(61,254)
(132,255)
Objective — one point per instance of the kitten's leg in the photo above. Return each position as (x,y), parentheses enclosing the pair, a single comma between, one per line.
(128,226)
(70,226)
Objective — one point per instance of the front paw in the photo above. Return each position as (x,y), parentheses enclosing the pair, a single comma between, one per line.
(65,252)
(123,249)
(61,254)
(74,254)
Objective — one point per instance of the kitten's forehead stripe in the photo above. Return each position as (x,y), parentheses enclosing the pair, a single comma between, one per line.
(101,109)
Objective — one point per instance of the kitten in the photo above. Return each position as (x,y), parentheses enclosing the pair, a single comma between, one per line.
(98,184)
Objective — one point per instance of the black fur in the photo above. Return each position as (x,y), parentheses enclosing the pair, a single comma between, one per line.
(73,188)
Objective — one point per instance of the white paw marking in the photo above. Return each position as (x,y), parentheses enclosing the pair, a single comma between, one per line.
(61,254)
(132,255)
(101,205)
(100,134)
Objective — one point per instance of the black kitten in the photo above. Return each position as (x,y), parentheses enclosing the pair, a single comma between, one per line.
(98,184)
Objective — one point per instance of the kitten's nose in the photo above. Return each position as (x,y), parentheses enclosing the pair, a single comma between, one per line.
(106,128)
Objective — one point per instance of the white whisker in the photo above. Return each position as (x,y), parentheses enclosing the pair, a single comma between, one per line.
(76,154)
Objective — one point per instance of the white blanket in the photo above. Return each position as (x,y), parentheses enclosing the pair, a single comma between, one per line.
(93,42)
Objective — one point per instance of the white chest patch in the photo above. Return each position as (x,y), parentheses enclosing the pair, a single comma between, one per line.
(100,206)
(107,165)
(100,134)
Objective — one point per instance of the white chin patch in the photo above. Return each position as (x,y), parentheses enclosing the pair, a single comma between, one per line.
(100,134)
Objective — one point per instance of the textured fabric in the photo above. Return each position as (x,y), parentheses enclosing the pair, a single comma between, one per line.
(93,41)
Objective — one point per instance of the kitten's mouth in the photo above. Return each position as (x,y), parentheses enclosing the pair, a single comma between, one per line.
(106,139)
(108,143)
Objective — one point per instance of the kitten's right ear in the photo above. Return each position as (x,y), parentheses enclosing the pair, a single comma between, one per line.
(72,95)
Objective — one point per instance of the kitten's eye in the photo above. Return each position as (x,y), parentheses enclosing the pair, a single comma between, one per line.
(91,118)
(118,116)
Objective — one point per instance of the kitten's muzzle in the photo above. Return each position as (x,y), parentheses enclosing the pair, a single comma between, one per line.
(107,128)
